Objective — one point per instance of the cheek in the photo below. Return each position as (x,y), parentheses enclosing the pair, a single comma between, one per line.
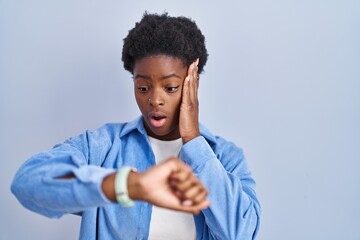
(140,101)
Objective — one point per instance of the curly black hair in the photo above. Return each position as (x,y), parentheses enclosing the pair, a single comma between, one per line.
(164,35)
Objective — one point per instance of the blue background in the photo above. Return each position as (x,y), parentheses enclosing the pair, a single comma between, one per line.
(282,81)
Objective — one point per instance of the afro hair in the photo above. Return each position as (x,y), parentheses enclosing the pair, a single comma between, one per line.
(164,35)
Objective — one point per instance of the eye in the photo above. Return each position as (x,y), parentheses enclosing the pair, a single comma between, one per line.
(143,89)
(171,89)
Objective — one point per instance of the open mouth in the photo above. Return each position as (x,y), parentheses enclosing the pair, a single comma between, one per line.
(157,119)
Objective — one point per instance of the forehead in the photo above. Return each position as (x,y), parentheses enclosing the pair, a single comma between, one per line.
(159,65)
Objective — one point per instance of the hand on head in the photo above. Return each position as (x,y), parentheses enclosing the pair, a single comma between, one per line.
(189,108)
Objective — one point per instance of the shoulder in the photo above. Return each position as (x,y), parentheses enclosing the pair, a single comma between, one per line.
(119,129)
(218,143)
(229,154)
(226,149)
(105,134)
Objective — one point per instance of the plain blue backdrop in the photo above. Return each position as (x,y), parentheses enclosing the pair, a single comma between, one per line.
(282,81)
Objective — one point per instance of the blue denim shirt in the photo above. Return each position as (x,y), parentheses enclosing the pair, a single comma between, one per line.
(234,212)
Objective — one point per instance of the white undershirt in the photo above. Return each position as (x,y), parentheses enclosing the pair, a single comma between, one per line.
(165,223)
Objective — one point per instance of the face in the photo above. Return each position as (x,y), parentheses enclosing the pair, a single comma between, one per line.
(158,83)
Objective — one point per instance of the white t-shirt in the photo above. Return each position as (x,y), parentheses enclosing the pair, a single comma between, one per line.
(165,223)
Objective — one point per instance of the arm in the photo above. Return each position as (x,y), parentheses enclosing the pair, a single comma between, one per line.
(234,212)
(60,181)
(39,185)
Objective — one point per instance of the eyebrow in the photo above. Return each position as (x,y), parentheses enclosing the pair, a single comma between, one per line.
(162,78)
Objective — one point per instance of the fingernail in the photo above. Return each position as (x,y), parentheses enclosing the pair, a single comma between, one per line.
(187,203)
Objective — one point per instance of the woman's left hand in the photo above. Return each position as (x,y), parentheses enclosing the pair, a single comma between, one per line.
(189,109)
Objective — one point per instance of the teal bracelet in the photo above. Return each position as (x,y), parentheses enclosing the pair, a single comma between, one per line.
(121,190)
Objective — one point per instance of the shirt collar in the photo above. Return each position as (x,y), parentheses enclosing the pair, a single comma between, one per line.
(137,124)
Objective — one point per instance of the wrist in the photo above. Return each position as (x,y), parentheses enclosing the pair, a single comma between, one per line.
(134,186)
(108,187)
(121,186)
(186,139)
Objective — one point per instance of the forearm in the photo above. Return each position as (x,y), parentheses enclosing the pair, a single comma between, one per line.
(39,185)
(108,186)
(61,181)
(234,212)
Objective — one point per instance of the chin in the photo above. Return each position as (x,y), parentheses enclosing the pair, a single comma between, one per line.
(160,133)
(166,135)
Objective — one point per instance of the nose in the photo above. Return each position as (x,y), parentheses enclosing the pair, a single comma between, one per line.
(156,99)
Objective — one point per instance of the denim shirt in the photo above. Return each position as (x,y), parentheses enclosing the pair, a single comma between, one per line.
(234,212)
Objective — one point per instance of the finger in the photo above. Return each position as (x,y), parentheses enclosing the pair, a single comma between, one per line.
(192,192)
(173,164)
(193,82)
(186,91)
(169,168)
(190,189)
(184,185)
(195,209)
(190,76)
(196,87)
(189,85)
(185,179)
(190,68)
(195,70)
(197,79)
(182,174)
(197,61)
(200,196)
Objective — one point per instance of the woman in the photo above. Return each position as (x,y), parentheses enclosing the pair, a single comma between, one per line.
(144,179)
